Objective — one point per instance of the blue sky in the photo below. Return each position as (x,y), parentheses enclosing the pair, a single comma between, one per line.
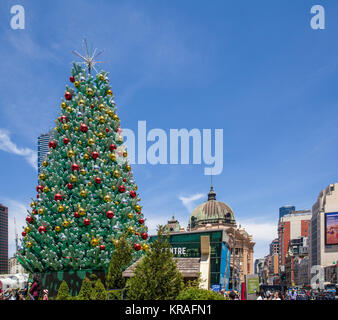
(255,69)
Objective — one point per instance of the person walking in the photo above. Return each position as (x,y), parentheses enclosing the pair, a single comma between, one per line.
(35,289)
(45,294)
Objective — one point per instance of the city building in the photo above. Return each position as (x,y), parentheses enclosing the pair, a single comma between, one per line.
(14,266)
(286,210)
(324,230)
(274,247)
(43,149)
(291,226)
(259,263)
(204,253)
(3,239)
(215,215)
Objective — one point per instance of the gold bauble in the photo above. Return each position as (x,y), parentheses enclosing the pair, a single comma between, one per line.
(65,126)
(57,229)
(101,135)
(109,92)
(94,242)
(128,167)
(69,109)
(29,244)
(101,106)
(145,247)
(80,143)
(107,173)
(27,229)
(73,178)
(138,199)
(101,77)
(106,198)
(120,139)
(113,187)
(112,156)
(65,224)
(86,156)
(117,203)
(45,163)
(125,154)
(61,208)
(116,242)
(89,183)
(83,193)
(135,187)
(76,129)
(90,141)
(32,204)
(63,105)
(89,91)
(137,208)
(130,215)
(70,153)
(90,119)
(131,229)
(82,211)
(116,174)
(101,119)
(42,176)
(81,102)
(41,211)
(111,113)
(83,172)
(115,117)
(45,189)
(76,84)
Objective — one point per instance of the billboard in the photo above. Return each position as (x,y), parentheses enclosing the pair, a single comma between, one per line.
(331,228)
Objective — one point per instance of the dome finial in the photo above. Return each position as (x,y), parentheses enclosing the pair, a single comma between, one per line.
(211,194)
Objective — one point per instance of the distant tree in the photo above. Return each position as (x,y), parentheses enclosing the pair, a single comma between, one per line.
(86,290)
(98,292)
(194,293)
(63,292)
(121,258)
(156,276)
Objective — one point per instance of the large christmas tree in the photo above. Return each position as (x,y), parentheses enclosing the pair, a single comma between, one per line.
(86,194)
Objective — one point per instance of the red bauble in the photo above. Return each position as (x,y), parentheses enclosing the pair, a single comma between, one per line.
(86,222)
(34,211)
(132,194)
(92,106)
(71,79)
(124,179)
(39,188)
(137,246)
(83,127)
(37,196)
(69,186)
(98,180)
(95,155)
(66,140)
(102,247)
(76,215)
(110,214)
(122,189)
(68,95)
(75,167)
(144,236)
(107,130)
(63,119)
(58,197)
(112,147)
(30,219)
(23,234)
(52,144)
(141,221)
(42,229)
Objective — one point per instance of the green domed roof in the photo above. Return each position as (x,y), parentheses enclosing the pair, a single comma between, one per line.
(212,211)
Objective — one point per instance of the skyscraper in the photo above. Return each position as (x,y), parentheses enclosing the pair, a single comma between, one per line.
(3,239)
(286,210)
(43,149)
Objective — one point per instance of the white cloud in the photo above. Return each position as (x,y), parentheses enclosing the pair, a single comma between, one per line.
(8,146)
(188,202)
(153,222)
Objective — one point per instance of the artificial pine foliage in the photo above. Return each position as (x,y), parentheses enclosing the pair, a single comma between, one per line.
(86,290)
(120,260)
(63,292)
(86,193)
(98,292)
(156,277)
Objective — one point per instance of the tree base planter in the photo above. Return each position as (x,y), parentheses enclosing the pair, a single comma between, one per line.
(52,280)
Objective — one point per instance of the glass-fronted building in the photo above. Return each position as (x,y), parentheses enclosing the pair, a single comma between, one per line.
(3,239)
(211,246)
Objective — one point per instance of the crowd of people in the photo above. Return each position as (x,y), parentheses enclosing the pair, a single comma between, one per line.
(31,291)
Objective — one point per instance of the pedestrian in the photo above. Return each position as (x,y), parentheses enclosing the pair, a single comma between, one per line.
(259,296)
(293,295)
(45,294)
(276,296)
(35,289)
